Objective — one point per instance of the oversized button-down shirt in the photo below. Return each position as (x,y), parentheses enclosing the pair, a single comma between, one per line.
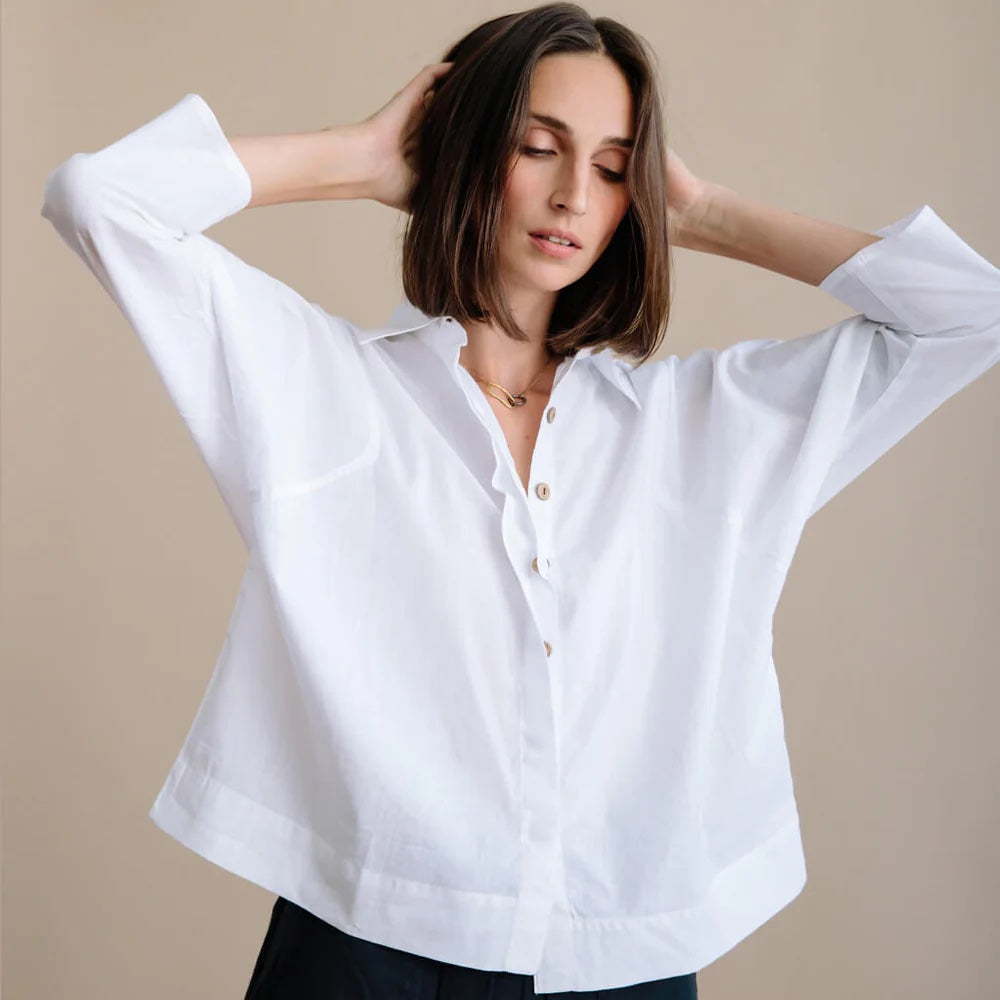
(529,730)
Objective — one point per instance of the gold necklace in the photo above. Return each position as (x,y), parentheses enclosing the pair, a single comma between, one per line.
(509,399)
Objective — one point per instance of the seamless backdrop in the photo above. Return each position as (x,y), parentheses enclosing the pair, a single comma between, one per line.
(120,564)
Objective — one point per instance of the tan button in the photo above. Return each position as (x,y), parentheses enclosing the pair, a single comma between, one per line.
(548,649)
(551,414)
(542,491)
(534,564)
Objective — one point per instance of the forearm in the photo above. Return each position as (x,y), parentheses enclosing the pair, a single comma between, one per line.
(330,163)
(795,245)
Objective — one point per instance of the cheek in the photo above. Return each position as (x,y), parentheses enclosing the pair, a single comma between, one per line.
(616,211)
(516,192)
(619,207)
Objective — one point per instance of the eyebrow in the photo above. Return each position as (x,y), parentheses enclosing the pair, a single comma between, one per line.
(561,126)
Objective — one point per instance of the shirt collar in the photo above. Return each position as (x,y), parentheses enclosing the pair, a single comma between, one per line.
(443,336)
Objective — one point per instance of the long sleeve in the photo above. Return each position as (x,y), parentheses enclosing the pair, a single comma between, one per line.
(931,306)
(799,419)
(242,355)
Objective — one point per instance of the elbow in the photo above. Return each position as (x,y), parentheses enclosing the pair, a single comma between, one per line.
(70,195)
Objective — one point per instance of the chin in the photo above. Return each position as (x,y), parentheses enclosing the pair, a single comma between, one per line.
(552,275)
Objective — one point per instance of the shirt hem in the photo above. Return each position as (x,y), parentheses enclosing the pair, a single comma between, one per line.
(474,929)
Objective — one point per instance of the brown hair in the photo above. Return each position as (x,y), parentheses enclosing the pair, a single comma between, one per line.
(473,129)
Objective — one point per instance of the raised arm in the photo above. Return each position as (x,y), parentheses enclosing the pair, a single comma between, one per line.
(363,160)
(224,334)
(712,218)
(795,245)
(806,415)
(331,163)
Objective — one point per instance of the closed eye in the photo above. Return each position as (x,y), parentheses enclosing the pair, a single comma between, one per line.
(611,175)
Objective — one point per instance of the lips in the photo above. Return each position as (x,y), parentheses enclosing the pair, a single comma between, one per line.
(561,233)
(560,251)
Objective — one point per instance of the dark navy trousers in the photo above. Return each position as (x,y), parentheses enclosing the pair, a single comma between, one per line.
(305,958)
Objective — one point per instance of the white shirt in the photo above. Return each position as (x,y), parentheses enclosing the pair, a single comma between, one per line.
(529,731)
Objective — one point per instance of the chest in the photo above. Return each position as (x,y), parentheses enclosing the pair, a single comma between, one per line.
(520,427)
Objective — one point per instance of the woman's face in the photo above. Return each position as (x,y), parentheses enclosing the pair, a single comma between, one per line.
(569,173)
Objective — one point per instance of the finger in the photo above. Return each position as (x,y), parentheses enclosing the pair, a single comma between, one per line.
(428,75)
(437,70)
(422,83)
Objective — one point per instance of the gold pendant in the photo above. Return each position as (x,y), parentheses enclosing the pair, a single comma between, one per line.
(508,400)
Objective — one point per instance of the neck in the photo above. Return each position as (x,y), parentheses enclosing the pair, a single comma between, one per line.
(497,357)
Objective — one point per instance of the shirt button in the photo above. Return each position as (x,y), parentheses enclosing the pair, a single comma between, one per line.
(534,564)
(548,649)
(542,491)
(551,414)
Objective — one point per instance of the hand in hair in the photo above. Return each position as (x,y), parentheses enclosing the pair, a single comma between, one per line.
(687,198)
(392,131)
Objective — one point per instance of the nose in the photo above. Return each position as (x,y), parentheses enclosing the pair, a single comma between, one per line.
(572,188)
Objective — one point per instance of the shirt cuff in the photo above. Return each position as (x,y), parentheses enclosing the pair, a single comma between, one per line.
(234,178)
(920,278)
(177,170)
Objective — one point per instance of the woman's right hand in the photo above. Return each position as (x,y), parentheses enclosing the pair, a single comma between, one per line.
(391,132)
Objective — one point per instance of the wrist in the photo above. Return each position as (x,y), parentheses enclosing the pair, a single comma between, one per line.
(706,224)
(348,161)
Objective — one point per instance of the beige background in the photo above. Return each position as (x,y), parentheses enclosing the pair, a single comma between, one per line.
(120,565)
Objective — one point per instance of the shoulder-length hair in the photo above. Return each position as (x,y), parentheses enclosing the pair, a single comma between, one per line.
(473,129)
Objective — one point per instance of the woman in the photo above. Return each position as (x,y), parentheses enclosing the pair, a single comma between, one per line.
(497,714)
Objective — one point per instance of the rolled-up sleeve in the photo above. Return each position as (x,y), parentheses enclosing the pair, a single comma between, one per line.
(242,355)
(930,306)
(804,416)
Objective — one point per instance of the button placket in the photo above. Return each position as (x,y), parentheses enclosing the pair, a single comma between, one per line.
(542,881)
(543,872)
(542,516)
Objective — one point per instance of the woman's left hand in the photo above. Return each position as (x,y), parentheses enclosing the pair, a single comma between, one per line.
(687,198)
